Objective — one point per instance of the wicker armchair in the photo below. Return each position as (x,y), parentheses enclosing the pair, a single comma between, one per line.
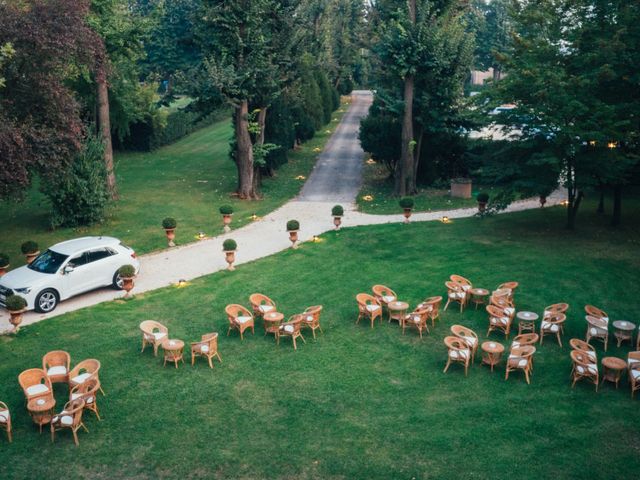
(455,293)
(632,359)
(261,304)
(239,319)
(498,320)
(83,371)
(57,364)
(71,418)
(311,319)
(634,378)
(555,308)
(153,333)
(469,336)
(521,358)
(35,383)
(416,319)
(583,368)
(291,328)
(525,339)
(578,344)
(464,283)
(511,286)
(384,295)
(503,302)
(596,312)
(207,347)
(432,304)
(598,329)
(5,420)
(457,352)
(368,307)
(552,324)
(87,391)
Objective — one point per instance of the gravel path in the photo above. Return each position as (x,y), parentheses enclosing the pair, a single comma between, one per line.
(336,178)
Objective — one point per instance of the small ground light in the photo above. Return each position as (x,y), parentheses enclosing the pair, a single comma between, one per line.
(367,198)
(445,219)
(316,238)
(300,177)
(612,145)
(201,235)
(371,161)
(254,217)
(181,283)
(564,203)
(592,143)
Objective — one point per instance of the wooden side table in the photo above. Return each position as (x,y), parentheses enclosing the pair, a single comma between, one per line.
(479,296)
(492,353)
(41,410)
(272,321)
(613,367)
(527,322)
(623,331)
(173,351)
(397,311)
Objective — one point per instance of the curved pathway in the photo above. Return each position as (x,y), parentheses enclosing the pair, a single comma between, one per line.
(335,179)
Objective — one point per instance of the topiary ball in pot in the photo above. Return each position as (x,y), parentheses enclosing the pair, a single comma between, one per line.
(169,223)
(4,263)
(226,211)
(407,205)
(337,211)
(229,245)
(29,247)
(127,272)
(483,199)
(293,225)
(15,303)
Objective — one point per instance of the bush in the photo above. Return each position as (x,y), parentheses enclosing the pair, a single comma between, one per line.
(229,245)
(337,211)
(293,225)
(4,260)
(226,210)
(482,197)
(406,202)
(380,135)
(15,303)
(326,95)
(335,99)
(29,247)
(169,223)
(79,195)
(127,271)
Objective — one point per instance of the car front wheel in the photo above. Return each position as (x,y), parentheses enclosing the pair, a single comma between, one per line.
(46,301)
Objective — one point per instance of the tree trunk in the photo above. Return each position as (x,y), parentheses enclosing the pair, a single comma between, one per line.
(262,121)
(572,210)
(600,209)
(617,206)
(496,73)
(416,156)
(104,125)
(405,182)
(244,152)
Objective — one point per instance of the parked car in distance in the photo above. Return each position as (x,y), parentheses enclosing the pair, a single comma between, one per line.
(67,269)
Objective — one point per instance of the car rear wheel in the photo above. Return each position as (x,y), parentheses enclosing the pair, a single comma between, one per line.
(46,301)
(117,281)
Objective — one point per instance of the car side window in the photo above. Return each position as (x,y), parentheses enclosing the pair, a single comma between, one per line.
(98,254)
(78,260)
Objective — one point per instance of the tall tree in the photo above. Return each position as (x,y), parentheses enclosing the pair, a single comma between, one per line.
(493,31)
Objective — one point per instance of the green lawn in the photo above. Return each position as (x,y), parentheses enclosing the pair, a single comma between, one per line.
(378,185)
(188,180)
(358,403)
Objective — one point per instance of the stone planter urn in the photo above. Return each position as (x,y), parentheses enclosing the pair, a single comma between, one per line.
(226,221)
(461,187)
(337,221)
(4,269)
(406,212)
(16,318)
(543,200)
(482,206)
(31,256)
(127,285)
(230,257)
(337,212)
(171,236)
(293,237)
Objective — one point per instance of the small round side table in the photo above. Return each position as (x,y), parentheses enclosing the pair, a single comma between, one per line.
(397,311)
(272,322)
(613,367)
(478,296)
(623,331)
(41,410)
(527,322)
(173,351)
(492,352)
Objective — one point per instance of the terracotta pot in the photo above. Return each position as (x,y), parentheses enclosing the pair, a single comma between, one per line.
(171,235)
(32,256)
(16,318)
(127,285)
(337,221)
(543,200)
(461,189)
(3,270)
(293,236)
(226,220)
(482,206)
(407,214)
(230,258)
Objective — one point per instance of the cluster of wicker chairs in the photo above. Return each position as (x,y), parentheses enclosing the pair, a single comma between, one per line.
(37,385)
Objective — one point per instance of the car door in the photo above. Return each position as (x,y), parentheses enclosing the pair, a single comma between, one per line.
(103,264)
(77,274)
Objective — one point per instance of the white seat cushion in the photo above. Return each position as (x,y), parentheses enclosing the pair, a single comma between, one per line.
(287,328)
(37,389)
(631,361)
(64,419)
(509,310)
(155,336)
(81,378)
(373,308)
(456,295)
(521,362)
(415,318)
(4,416)
(515,344)
(592,369)
(57,370)
(459,354)
(308,318)
(243,319)
(388,298)
(470,340)
(78,395)
(466,287)
(635,373)
(551,327)
(265,308)
(597,331)
(204,348)
(502,320)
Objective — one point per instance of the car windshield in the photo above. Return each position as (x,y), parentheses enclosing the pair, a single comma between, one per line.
(48,262)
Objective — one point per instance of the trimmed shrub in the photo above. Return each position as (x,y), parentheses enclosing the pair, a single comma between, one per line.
(229,245)
(169,223)
(15,303)
(4,260)
(335,99)
(29,247)
(326,95)
(79,195)
(482,197)
(337,211)
(226,210)
(127,271)
(293,225)
(380,135)
(406,202)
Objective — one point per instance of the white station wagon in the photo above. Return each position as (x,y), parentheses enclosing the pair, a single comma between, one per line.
(67,269)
